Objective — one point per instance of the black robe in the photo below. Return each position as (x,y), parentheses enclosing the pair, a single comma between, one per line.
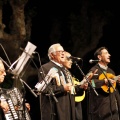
(64,109)
(2,117)
(106,105)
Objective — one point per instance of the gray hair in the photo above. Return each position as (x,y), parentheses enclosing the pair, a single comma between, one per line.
(52,49)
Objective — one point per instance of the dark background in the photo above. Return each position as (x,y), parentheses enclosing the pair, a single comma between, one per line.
(80,26)
(49,13)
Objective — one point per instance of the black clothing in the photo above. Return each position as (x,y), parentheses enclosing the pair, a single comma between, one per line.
(105,105)
(64,109)
(78,111)
(1,110)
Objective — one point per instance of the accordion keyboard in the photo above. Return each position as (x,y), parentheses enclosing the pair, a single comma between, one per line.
(15,102)
(11,114)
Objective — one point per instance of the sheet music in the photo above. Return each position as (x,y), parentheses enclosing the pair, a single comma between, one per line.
(27,53)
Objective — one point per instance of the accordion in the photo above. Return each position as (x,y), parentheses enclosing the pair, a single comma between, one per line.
(17,111)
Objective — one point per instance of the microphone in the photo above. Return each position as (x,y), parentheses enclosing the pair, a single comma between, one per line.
(74,58)
(93,61)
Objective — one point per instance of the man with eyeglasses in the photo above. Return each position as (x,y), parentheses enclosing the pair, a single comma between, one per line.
(4,107)
(3,104)
(60,85)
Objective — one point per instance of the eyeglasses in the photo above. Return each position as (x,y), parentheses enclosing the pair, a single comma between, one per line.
(60,51)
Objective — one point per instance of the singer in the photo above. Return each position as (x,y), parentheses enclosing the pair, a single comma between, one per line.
(61,86)
(78,94)
(106,106)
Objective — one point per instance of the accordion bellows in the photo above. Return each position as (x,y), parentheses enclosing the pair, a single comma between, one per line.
(15,101)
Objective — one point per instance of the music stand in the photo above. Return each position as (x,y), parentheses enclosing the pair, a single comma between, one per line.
(21,62)
(26,55)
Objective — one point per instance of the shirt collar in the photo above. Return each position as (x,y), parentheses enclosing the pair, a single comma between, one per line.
(60,65)
(102,66)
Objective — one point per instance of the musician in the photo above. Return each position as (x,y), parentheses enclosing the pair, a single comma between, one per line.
(105,106)
(78,108)
(4,107)
(3,104)
(61,85)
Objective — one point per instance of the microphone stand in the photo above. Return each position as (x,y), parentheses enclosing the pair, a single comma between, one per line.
(51,93)
(23,102)
(86,78)
(24,107)
(50,90)
(22,81)
(87,81)
(23,96)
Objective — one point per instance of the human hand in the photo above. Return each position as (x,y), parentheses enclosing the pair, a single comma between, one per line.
(27,106)
(67,87)
(4,106)
(118,80)
(110,80)
(84,86)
